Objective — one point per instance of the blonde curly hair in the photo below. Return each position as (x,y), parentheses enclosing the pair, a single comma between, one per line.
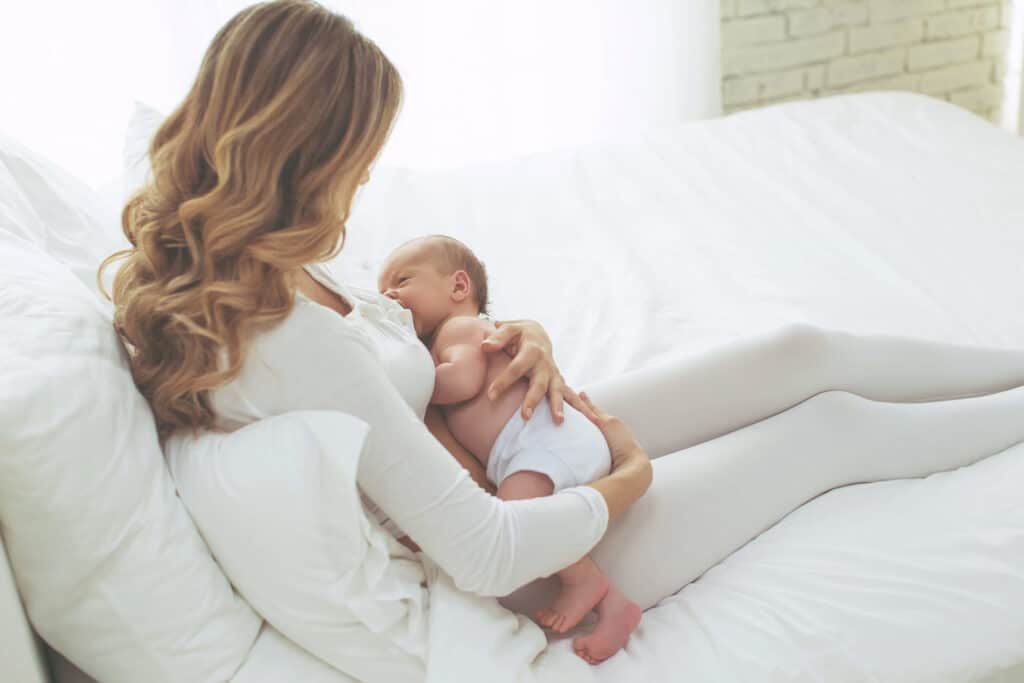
(253,177)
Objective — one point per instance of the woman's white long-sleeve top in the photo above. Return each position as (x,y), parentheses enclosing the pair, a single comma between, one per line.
(371,365)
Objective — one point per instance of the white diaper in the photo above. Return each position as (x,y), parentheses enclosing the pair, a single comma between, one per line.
(572,453)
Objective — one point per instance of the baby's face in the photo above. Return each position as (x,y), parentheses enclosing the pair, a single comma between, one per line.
(411,277)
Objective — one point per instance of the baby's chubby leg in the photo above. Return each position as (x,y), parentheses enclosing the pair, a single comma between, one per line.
(583,587)
(525,484)
(583,583)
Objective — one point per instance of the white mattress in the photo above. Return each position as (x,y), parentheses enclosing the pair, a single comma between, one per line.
(877,213)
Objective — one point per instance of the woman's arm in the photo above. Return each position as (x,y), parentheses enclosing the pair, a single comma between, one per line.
(314,360)
(439,428)
(626,484)
(631,473)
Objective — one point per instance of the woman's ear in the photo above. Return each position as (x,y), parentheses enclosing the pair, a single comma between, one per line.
(462,286)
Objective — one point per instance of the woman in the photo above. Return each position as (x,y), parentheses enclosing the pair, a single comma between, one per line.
(229,319)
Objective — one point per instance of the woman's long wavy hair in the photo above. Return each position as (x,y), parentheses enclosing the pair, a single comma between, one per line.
(253,177)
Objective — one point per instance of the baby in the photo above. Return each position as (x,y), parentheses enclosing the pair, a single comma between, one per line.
(444,286)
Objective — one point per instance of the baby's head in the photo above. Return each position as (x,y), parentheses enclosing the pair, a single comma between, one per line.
(435,277)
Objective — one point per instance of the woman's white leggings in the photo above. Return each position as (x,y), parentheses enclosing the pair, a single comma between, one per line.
(747,432)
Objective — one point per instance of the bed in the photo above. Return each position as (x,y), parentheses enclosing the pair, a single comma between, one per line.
(888,213)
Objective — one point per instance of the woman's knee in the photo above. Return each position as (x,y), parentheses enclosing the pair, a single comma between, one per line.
(804,343)
(800,335)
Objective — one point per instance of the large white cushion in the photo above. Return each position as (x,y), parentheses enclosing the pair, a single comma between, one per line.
(135,168)
(273,659)
(278,505)
(52,209)
(110,567)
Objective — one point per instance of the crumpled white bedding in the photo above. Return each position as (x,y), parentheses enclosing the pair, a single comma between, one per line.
(906,581)
(891,213)
(876,213)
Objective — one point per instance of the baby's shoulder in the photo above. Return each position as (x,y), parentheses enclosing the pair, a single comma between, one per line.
(462,329)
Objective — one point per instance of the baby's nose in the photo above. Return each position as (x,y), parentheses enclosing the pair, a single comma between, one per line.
(391,294)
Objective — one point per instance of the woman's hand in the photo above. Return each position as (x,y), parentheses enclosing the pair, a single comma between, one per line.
(621,441)
(631,471)
(532,357)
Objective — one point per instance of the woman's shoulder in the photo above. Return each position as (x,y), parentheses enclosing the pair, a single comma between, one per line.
(310,332)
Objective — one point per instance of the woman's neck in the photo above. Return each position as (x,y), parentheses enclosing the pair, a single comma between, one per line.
(308,285)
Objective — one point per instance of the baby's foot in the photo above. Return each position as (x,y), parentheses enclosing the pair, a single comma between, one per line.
(618,616)
(580,593)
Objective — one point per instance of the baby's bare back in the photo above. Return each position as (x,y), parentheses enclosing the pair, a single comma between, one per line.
(477,422)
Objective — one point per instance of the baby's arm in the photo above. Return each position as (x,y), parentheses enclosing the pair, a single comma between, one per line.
(461,364)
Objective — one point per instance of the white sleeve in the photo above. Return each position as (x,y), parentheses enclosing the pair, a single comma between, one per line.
(488,546)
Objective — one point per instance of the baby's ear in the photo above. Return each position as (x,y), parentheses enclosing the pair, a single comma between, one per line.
(462,286)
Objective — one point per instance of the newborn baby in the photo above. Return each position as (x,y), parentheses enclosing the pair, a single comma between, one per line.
(444,286)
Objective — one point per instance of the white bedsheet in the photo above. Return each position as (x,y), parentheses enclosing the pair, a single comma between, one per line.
(875,213)
(905,581)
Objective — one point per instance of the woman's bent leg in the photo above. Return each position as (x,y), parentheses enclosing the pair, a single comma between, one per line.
(712,498)
(705,394)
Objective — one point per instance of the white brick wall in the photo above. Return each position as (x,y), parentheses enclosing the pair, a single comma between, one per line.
(779,50)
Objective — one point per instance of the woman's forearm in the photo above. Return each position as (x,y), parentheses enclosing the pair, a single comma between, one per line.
(435,422)
(625,485)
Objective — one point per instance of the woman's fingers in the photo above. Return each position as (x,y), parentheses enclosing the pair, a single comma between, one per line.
(500,338)
(515,371)
(573,399)
(599,415)
(538,387)
(530,349)
(555,399)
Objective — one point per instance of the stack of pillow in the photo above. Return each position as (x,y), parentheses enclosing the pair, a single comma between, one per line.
(112,570)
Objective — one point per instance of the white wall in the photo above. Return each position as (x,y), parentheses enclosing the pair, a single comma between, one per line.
(485,79)
(489,80)
(70,72)
(776,50)
(512,78)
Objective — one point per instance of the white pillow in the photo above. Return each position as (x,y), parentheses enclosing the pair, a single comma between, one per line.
(278,505)
(110,567)
(49,207)
(142,126)
(273,659)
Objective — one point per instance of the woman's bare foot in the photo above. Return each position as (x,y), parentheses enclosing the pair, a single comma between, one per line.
(583,587)
(618,616)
